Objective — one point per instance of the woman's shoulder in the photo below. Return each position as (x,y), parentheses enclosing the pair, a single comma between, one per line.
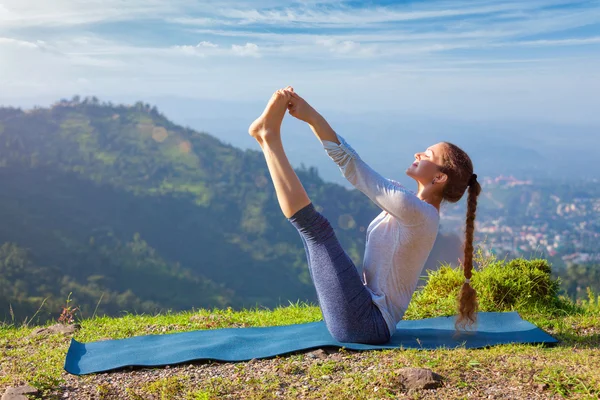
(428,209)
(404,188)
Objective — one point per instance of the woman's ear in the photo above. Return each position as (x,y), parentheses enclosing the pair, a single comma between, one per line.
(441,177)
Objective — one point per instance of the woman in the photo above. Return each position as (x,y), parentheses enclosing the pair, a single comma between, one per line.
(399,239)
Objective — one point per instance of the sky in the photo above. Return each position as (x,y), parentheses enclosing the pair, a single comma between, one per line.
(535,62)
(516,58)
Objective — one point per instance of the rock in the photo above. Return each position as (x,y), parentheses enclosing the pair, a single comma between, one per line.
(542,386)
(319,353)
(18,393)
(38,331)
(419,378)
(64,329)
(57,328)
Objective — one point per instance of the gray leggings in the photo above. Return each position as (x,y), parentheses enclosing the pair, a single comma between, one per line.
(347,307)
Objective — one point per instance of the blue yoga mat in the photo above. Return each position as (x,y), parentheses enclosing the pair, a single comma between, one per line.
(242,344)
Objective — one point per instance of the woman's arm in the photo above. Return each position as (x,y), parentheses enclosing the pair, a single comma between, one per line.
(392,197)
(322,129)
(387,194)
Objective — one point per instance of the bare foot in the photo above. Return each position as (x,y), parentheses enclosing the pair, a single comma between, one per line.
(268,125)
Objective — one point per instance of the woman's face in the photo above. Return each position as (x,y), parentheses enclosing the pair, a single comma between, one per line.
(426,164)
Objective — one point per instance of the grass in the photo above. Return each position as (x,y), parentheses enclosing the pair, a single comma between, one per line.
(569,370)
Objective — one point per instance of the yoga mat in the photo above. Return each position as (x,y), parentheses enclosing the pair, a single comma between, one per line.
(242,344)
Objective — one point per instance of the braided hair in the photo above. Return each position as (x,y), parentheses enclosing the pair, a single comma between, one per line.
(459,169)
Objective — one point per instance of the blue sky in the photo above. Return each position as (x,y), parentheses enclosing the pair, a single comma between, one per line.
(497,59)
(397,76)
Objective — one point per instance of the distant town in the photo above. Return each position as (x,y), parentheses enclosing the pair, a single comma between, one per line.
(519,218)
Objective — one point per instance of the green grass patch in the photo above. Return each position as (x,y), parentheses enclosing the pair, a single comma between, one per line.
(568,370)
(518,285)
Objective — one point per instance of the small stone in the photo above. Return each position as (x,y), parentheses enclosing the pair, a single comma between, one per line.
(38,331)
(57,328)
(325,377)
(319,353)
(64,329)
(18,393)
(419,378)
(347,381)
(542,386)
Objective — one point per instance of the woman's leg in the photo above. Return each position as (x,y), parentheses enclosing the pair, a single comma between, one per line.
(266,130)
(347,308)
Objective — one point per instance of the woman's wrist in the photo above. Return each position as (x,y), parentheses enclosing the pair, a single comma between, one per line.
(322,129)
(314,118)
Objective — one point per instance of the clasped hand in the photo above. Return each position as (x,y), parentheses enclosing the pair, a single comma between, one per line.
(298,107)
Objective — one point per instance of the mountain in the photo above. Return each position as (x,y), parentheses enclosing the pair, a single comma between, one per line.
(131,212)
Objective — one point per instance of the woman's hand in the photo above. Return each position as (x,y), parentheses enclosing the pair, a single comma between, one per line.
(299,108)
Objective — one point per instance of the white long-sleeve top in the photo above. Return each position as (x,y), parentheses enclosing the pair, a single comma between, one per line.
(399,239)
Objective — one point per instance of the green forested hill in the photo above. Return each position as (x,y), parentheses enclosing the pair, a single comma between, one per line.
(131,212)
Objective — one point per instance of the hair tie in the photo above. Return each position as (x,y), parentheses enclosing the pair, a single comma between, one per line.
(467,280)
(473,179)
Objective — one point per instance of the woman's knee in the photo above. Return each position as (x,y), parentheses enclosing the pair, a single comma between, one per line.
(346,333)
(346,336)
(317,229)
(324,230)
(343,335)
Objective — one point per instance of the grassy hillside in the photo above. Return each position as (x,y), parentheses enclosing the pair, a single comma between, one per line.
(128,211)
(567,370)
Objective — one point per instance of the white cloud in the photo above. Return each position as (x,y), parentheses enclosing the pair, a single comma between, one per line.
(17,42)
(201,21)
(60,13)
(490,57)
(347,47)
(558,42)
(190,50)
(4,13)
(247,50)
(201,49)
(206,48)
(342,15)
(523,20)
(206,44)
